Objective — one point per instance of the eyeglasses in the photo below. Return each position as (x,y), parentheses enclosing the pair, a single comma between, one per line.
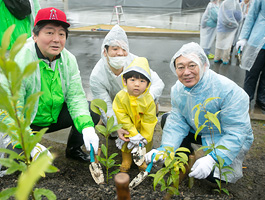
(190,66)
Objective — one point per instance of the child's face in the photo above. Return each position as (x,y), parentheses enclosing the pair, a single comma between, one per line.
(135,86)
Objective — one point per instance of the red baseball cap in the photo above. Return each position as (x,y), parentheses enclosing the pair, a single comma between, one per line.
(51,14)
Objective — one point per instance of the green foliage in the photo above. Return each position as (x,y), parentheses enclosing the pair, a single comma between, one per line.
(98,105)
(210,120)
(15,123)
(175,162)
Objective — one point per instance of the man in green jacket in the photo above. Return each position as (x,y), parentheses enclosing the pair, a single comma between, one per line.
(23,24)
(63,102)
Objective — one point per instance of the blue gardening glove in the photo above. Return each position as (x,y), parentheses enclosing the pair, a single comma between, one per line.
(90,137)
(202,167)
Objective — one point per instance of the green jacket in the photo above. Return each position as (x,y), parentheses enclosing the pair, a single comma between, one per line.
(22,26)
(73,92)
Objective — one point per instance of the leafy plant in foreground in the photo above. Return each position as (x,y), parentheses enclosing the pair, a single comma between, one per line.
(211,119)
(108,161)
(31,170)
(175,162)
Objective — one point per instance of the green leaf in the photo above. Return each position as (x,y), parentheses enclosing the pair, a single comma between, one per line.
(18,44)
(229,168)
(198,131)
(115,172)
(218,183)
(209,99)
(183,149)
(28,179)
(38,192)
(12,154)
(110,123)
(196,117)
(7,193)
(213,118)
(222,147)
(104,150)
(98,103)
(6,37)
(16,167)
(51,169)
(30,68)
(115,128)
(225,191)
(183,155)
(221,161)
(113,155)
(102,129)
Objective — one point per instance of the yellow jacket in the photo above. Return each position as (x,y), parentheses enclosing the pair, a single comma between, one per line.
(136,114)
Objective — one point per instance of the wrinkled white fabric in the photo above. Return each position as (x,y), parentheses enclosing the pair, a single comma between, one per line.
(208,25)
(241,44)
(148,156)
(198,56)
(37,150)
(119,142)
(90,137)
(136,140)
(202,167)
(253,31)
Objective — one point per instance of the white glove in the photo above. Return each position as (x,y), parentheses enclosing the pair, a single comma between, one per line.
(241,44)
(37,150)
(136,140)
(90,137)
(148,156)
(119,142)
(202,167)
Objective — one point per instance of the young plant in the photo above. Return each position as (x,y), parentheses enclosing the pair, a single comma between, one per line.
(108,161)
(175,165)
(17,129)
(212,120)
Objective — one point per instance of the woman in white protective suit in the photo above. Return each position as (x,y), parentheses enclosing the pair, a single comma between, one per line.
(208,27)
(196,83)
(105,79)
(229,17)
(252,43)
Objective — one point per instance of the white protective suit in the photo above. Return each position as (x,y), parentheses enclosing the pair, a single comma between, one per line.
(236,132)
(208,25)
(104,84)
(229,17)
(253,31)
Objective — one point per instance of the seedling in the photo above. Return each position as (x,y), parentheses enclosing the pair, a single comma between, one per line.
(108,161)
(175,163)
(212,120)
(15,124)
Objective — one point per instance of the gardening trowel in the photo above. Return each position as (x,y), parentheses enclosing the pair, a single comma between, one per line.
(138,156)
(142,175)
(239,55)
(95,168)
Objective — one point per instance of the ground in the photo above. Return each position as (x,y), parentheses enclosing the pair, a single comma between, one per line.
(74,181)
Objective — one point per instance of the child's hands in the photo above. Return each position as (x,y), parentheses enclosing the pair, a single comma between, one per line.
(135,141)
(119,142)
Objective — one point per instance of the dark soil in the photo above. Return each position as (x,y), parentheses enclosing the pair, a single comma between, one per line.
(74,181)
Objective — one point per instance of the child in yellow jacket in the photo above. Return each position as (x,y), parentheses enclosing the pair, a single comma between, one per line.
(135,109)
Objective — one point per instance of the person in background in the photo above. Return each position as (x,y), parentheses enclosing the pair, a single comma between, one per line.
(245,5)
(208,27)
(252,44)
(135,109)
(229,18)
(105,79)
(20,13)
(63,103)
(196,83)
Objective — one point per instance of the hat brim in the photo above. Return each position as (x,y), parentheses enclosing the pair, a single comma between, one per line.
(63,24)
